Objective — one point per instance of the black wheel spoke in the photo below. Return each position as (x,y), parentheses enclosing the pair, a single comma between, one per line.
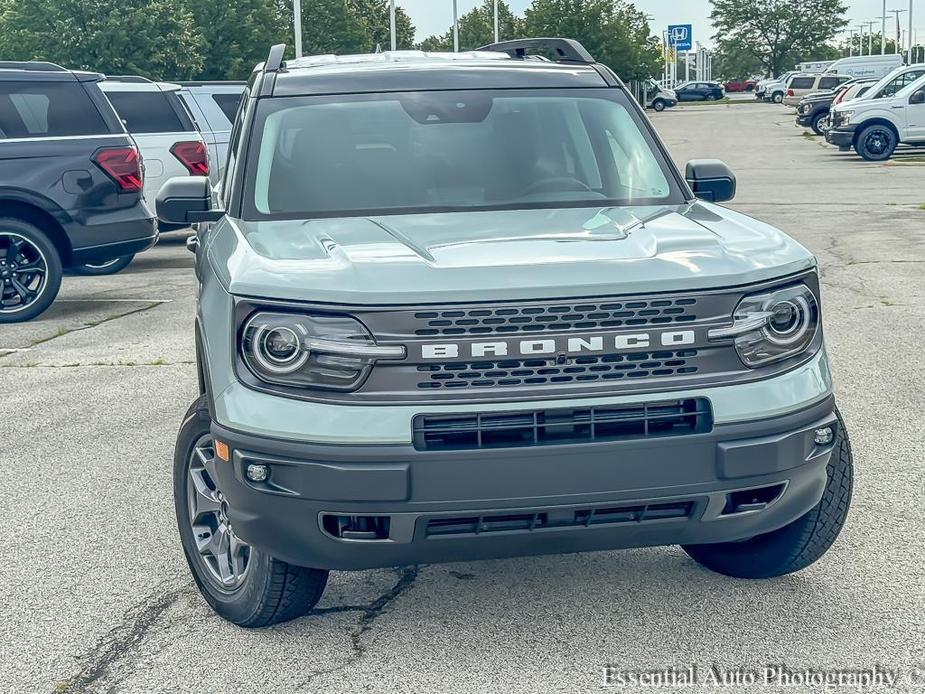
(24,293)
(13,250)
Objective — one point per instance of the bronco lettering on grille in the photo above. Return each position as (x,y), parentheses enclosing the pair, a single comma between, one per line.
(559,345)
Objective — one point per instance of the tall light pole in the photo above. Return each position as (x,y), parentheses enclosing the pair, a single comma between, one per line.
(870,37)
(497,26)
(883,30)
(851,33)
(910,35)
(455,27)
(392,29)
(297,26)
(861,39)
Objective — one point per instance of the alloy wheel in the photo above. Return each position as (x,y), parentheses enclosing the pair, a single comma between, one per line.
(877,142)
(23,272)
(224,554)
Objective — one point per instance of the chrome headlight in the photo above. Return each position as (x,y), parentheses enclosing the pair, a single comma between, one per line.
(774,325)
(845,117)
(328,351)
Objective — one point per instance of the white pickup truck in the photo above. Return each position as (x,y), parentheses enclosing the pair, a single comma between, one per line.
(874,127)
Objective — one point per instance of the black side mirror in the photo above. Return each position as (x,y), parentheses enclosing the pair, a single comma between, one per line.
(711,180)
(918,97)
(186,200)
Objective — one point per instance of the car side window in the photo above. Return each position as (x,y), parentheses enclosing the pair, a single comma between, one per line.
(828,82)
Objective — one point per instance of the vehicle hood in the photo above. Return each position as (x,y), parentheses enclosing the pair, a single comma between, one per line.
(498,255)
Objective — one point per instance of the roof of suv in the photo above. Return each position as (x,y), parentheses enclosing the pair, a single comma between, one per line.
(418,70)
(38,71)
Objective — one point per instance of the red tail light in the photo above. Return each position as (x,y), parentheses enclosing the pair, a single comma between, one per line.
(193,156)
(789,92)
(122,165)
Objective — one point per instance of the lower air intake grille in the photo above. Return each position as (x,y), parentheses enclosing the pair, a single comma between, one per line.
(562,426)
(583,518)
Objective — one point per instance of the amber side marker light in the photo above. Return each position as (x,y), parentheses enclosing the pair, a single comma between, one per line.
(221,450)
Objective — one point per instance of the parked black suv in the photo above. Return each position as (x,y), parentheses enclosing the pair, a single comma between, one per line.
(70,184)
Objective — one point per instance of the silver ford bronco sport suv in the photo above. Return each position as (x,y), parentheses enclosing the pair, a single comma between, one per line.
(464,306)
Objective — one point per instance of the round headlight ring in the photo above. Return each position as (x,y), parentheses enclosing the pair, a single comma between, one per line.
(796,315)
(275,363)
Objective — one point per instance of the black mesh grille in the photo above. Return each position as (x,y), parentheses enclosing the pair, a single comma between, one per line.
(556,318)
(538,372)
(539,520)
(562,426)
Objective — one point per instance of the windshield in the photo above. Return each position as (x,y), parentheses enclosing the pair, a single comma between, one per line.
(443,151)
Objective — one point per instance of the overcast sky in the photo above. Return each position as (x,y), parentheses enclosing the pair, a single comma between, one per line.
(434,16)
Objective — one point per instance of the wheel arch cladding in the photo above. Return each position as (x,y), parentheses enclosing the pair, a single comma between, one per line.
(40,217)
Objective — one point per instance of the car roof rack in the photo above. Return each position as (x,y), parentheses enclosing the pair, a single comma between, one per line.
(275,59)
(31,65)
(563,50)
(132,79)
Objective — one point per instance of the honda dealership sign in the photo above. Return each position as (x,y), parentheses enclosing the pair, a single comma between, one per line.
(679,37)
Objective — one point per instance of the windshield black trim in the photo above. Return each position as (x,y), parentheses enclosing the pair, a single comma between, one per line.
(679,193)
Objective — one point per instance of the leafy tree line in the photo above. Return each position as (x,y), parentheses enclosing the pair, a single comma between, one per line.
(613,31)
(187,39)
(769,37)
(224,39)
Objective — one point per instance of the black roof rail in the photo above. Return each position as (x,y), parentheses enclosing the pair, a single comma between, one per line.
(564,50)
(132,79)
(275,59)
(31,65)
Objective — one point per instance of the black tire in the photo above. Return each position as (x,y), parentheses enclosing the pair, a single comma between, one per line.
(797,545)
(107,267)
(40,290)
(876,142)
(271,591)
(817,122)
(777,97)
(659,104)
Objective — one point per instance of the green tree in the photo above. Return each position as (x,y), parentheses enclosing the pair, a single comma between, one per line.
(777,32)
(331,26)
(375,13)
(477,28)
(857,46)
(237,35)
(154,38)
(614,31)
(735,61)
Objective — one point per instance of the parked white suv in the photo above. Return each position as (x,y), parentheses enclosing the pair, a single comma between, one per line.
(803,85)
(163,130)
(874,127)
(213,105)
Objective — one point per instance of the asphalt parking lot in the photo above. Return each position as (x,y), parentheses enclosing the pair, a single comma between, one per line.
(99,599)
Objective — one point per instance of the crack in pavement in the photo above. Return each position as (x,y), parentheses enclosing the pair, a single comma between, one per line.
(121,640)
(86,326)
(370,613)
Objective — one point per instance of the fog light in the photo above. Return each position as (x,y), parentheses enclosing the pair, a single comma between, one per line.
(257,473)
(823,436)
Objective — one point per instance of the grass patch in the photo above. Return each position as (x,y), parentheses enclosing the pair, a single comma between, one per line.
(809,135)
(922,206)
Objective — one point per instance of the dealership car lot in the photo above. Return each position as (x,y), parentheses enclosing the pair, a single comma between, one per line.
(98,597)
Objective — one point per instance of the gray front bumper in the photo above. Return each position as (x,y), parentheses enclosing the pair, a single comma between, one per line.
(559,483)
